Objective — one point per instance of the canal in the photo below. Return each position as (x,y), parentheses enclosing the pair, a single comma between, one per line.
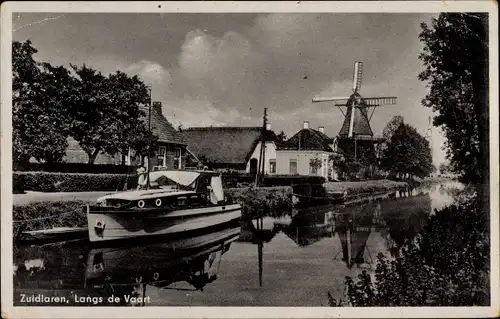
(292,261)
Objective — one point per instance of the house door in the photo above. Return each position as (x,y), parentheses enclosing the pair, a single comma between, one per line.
(253,166)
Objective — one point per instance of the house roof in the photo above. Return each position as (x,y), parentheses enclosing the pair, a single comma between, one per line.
(308,140)
(224,145)
(161,127)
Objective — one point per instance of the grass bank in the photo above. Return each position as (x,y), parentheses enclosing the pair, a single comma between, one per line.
(48,214)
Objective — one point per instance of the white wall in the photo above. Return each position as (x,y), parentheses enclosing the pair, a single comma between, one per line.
(270,153)
(303,159)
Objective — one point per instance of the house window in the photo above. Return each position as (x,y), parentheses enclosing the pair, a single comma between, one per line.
(272,166)
(177,158)
(293,166)
(162,153)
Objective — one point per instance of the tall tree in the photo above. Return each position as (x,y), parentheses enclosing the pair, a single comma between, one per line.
(387,133)
(40,93)
(107,116)
(408,153)
(391,127)
(455,58)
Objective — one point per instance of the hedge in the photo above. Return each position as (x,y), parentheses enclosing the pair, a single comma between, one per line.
(77,168)
(70,182)
(83,182)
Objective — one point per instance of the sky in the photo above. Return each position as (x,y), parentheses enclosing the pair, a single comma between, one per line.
(223,69)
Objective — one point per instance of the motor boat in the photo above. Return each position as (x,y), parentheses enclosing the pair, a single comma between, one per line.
(178,201)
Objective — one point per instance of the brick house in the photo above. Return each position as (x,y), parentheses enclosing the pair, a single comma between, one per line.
(171,150)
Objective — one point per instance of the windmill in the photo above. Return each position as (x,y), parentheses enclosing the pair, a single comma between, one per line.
(356,124)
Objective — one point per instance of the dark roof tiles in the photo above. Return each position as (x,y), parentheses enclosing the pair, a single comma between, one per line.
(308,140)
(161,127)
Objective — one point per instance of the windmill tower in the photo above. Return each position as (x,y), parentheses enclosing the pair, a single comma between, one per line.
(357,119)
(428,134)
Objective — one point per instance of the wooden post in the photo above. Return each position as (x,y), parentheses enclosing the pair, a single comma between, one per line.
(355,147)
(260,246)
(349,253)
(149,140)
(262,155)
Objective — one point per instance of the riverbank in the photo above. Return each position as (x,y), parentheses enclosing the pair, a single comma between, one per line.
(365,188)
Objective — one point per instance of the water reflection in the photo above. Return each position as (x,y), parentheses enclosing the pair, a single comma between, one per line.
(388,221)
(73,275)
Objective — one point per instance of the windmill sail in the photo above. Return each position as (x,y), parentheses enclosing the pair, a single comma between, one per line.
(358,75)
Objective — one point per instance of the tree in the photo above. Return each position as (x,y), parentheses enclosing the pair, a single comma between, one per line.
(106,116)
(40,95)
(281,137)
(391,127)
(455,58)
(314,165)
(345,165)
(408,153)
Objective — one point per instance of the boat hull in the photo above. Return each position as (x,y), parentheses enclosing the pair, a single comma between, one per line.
(105,225)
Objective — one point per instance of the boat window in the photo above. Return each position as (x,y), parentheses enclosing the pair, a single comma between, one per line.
(216,193)
(165,183)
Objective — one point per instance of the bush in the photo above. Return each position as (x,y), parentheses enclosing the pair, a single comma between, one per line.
(447,264)
(70,182)
(62,214)
(262,201)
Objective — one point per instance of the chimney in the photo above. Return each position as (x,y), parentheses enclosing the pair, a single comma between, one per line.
(157,107)
(268,126)
(306,125)
(321,129)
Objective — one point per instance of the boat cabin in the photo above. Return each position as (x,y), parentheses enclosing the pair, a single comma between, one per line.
(172,187)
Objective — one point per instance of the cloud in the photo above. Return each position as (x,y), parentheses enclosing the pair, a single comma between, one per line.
(196,113)
(151,73)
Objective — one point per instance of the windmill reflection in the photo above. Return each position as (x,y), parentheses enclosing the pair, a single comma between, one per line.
(395,221)
(392,218)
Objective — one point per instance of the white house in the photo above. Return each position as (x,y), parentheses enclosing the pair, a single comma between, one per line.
(307,153)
